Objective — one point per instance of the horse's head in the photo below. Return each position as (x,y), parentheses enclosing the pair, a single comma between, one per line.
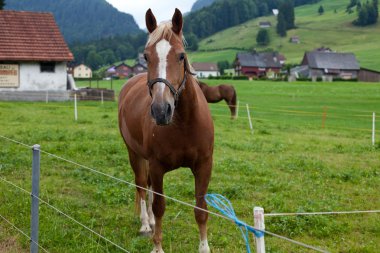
(167,65)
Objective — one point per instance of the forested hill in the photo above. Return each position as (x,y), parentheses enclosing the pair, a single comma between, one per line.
(81,20)
(201,3)
(223,14)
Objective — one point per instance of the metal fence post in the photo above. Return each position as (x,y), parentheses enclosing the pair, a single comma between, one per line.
(35,195)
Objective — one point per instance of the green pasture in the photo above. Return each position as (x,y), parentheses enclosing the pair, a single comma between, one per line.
(289,163)
(333,29)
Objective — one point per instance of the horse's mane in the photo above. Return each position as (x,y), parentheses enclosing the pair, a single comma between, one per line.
(163,31)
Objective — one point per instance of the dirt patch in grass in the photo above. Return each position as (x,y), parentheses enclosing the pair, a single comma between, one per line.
(11,245)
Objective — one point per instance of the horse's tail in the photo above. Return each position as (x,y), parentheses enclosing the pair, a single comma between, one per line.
(233,103)
(144,167)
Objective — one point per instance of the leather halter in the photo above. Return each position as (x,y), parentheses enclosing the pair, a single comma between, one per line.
(176,93)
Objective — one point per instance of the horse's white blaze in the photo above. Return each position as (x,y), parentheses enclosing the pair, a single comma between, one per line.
(162,48)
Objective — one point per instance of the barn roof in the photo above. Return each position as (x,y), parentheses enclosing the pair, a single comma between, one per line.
(204,66)
(31,36)
(331,60)
(261,60)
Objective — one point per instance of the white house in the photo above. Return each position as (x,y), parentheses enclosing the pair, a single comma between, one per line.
(205,69)
(82,71)
(33,57)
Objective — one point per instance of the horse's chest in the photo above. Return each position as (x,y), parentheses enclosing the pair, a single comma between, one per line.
(176,152)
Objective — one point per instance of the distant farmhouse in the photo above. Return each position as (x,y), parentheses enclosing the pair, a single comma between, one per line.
(140,65)
(33,57)
(256,64)
(329,65)
(205,69)
(265,24)
(124,71)
(82,71)
(294,39)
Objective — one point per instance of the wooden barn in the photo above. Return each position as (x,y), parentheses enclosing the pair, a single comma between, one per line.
(331,65)
(369,75)
(258,64)
(33,57)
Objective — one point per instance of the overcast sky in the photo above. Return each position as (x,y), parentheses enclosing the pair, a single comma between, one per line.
(162,9)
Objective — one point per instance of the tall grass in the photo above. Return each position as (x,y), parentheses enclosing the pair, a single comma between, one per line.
(289,164)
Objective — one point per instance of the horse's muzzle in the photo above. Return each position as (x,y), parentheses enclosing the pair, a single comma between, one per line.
(162,113)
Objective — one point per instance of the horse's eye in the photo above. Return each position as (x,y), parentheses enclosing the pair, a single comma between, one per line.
(181,56)
(146,57)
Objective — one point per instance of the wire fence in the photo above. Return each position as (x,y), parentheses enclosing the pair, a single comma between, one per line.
(134,185)
(319,117)
(215,108)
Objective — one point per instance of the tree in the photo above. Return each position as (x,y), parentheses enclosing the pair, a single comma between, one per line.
(222,65)
(362,16)
(192,42)
(321,10)
(262,37)
(2,4)
(281,25)
(287,9)
(367,14)
(352,4)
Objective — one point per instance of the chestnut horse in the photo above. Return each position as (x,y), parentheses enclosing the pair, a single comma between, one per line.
(166,124)
(214,94)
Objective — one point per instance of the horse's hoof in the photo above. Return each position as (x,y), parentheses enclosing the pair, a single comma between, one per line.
(146,233)
(155,250)
(145,230)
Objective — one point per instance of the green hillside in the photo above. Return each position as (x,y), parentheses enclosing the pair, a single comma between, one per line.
(81,20)
(333,29)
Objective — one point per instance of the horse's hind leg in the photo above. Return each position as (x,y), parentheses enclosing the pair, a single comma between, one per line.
(202,174)
(140,168)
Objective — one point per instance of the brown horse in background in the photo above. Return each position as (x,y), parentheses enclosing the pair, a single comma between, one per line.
(214,94)
(165,122)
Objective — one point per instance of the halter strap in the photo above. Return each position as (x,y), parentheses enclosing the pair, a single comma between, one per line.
(176,93)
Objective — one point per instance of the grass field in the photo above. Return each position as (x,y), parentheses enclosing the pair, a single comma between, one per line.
(289,164)
(331,29)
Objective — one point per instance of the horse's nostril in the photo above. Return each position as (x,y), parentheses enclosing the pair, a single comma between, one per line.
(168,110)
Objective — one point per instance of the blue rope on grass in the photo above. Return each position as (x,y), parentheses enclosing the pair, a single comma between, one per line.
(223,205)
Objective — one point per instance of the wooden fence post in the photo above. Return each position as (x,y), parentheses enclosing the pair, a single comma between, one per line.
(75,107)
(249,119)
(373,128)
(258,213)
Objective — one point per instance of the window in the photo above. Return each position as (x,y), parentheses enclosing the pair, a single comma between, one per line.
(47,67)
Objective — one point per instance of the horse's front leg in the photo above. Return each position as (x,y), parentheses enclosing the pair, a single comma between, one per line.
(156,173)
(202,174)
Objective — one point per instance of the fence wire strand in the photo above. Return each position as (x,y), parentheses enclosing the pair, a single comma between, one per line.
(320,213)
(64,214)
(22,232)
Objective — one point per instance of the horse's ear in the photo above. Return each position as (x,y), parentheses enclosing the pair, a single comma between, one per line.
(150,21)
(177,21)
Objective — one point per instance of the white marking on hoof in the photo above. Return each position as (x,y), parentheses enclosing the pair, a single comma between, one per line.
(157,250)
(203,247)
(152,222)
(145,230)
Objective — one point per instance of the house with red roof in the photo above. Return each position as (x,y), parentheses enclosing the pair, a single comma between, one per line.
(33,56)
